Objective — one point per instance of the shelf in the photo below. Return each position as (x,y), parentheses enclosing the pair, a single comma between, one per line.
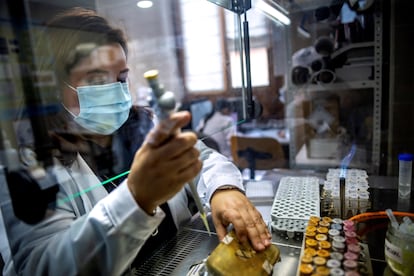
(301,5)
(353,99)
(302,159)
(338,86)
(352,46)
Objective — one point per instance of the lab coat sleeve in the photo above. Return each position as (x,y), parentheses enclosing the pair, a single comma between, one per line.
(217,171)
(104,241)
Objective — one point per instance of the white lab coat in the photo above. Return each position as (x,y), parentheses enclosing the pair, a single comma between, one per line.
(220,127)
(95,233)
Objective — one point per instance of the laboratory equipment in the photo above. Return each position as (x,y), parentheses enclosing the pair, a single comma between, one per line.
(332,245)
(405,174)
(296,200)
(346,194)
(399,245)
(164,105)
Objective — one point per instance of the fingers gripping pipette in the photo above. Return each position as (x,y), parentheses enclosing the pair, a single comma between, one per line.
(164,106)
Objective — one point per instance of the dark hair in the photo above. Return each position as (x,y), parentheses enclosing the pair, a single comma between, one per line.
(222,104)
(71,35)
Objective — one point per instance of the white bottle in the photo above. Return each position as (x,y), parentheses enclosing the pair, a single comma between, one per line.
(405,175)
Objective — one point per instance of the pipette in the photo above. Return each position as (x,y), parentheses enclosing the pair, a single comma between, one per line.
(164,106)
(200,207)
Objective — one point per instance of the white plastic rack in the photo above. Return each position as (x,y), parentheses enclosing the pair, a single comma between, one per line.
(297,199)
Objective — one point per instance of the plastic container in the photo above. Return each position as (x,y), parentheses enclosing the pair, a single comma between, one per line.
(399,251)
(405,175)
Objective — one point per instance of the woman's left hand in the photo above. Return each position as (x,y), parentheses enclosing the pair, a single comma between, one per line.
(233,207)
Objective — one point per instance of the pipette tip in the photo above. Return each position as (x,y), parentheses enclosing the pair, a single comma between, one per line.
(204,218)
(392,218)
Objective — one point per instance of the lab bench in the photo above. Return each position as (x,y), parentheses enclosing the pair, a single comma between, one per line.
(193,243)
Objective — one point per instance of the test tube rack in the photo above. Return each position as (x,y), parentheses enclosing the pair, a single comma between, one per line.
(356,196)
(296,200)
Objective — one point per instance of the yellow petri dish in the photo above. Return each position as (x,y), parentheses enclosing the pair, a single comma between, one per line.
(318,260)
(309,251)
(324,224)
(323,253)
(313,223)
(314,218)
(305,269)
(322,230)
(311,243)
(306,259)
(327,219)
(321,237)
(323,271)
(325,245)
(310,234)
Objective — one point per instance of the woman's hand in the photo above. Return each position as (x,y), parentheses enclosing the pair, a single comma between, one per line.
(165,162)
(232,206)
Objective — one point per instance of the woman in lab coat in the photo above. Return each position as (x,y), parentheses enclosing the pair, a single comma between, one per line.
(96,230)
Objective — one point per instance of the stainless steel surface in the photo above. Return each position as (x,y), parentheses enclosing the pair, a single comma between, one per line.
(189,247)
(192,245)
(290,249)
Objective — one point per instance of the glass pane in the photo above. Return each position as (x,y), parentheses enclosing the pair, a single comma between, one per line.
(335,88)
(259,67)
(257,24)
(202,46)
(213,81)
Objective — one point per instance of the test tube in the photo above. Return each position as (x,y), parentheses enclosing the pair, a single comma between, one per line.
(405,175)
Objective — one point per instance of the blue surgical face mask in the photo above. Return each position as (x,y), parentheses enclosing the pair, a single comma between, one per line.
(103,108)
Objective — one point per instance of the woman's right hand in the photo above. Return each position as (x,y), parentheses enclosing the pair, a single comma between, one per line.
(165,163)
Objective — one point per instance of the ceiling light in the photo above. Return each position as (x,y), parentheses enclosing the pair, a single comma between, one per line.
(144,4)
(273,12)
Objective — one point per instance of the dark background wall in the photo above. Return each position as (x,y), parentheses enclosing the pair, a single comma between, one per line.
(401,88)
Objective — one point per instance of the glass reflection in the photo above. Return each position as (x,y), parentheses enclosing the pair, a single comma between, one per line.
(321,82)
